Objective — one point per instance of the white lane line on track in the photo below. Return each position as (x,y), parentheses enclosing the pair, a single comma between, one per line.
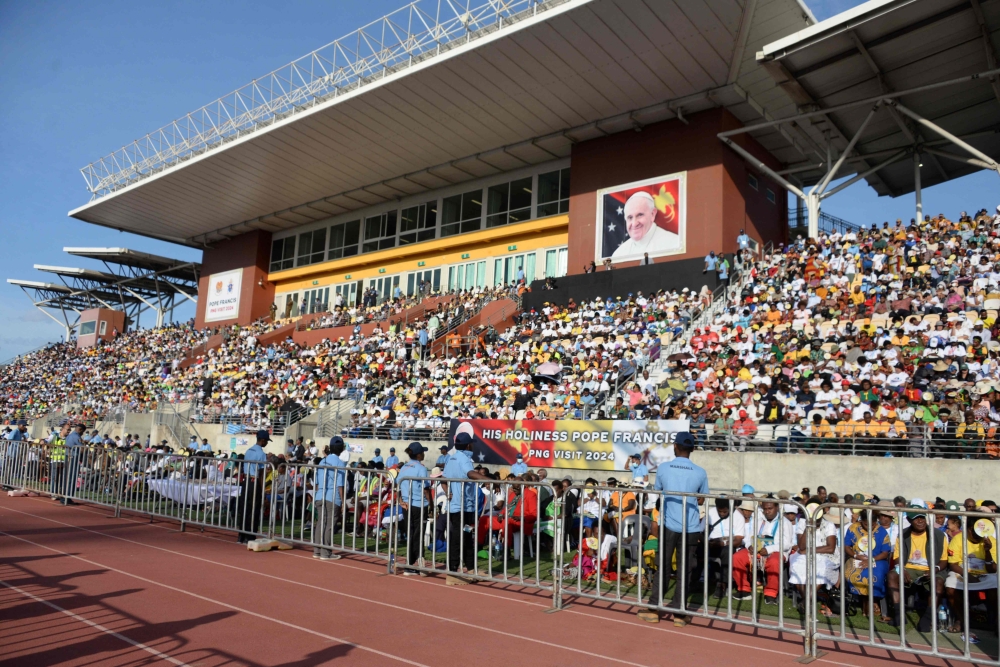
(312,586)
(97,626)
(218,602)
(464,589)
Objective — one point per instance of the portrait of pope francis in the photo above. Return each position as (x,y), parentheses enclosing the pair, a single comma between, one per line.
(644,235)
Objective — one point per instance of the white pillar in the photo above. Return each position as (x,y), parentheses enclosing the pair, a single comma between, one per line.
(916,187)
(812,206)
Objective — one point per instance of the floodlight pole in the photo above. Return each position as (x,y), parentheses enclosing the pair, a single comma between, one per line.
(916,187)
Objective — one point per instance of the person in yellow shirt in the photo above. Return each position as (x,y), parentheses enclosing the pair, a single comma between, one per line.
(912,565)
(982,570)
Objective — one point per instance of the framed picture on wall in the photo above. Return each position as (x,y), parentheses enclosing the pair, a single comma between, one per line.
(644,217)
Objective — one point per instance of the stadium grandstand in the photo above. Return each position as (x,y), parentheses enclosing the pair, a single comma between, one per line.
(556,236)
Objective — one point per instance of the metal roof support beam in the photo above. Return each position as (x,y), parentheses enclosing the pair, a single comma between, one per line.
(884,163)
(746,155)
(991,52)
(937,129)
(957,158)
(822,185)
(859,103)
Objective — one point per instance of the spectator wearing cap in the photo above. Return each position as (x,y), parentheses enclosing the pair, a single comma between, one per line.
(250,503)
(519,467)
(638,469)
(912,566)
(393,460)
(681,524)
(378,456)
(442,460)
(414,497)
(744,429)
(331,477)
(461,510)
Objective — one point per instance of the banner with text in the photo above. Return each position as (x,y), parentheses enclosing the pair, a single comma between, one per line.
(570,443)
(223,301)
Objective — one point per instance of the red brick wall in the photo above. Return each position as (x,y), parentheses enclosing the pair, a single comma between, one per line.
(719,201)
(250,252)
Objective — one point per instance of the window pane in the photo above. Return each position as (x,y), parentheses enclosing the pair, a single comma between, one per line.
(409,219)
(436,285)
(497,197)
(552,208)
(550,264)
(529,269)
(472,205)
(481,274)
(451,210)
(319,243)
(548,187)
(520,200)
(564,183)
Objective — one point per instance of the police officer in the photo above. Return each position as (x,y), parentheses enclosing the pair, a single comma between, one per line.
(461,510)
(378,456)
(250,497)
(415,498)
(519,467)
(330,479)
(393,460)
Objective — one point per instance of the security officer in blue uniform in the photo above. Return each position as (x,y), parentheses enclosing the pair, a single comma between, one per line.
(461,510)
(415,499)
(378,456)
(519,467)
(251,500)
(442,460)
(393,459)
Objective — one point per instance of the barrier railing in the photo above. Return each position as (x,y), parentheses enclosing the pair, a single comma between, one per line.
(610,544)
(933,575)
(616,560)
(476,530)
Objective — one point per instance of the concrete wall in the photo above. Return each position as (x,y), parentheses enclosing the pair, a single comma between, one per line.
(952,479)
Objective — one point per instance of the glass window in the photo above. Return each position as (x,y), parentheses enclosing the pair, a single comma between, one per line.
(461,213)
(550,263)
(770,195)
(508,203)
(481,274)
(283,254)
(104,327)
(87,328)
(553,193)
(344,239)
(380,232)
(312,247)
(417,223)
(563,263)
(529,268)
(752,180)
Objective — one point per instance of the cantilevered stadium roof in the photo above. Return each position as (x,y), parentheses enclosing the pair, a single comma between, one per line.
(421,100)
(931,69)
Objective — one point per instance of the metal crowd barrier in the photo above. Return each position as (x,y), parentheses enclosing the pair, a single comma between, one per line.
(573,541)
(620,535)
(498,534)
(866,575)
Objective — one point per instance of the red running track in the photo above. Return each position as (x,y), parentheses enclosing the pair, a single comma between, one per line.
(80,587)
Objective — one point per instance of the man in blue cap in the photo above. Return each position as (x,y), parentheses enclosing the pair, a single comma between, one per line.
(393,460)
(250,502)
(519,467)
(442,460)
(414,498)
(330,485)
(378,456)
(74,455)
(679,516)
(461,510)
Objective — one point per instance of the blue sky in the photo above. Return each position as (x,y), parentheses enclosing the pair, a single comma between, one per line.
(82,79)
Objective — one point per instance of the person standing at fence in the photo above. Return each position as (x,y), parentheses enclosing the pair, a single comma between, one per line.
(249,507)
(17,438)
(680,525)
(414,496)
(75,454)
(330,480)
(461,510)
